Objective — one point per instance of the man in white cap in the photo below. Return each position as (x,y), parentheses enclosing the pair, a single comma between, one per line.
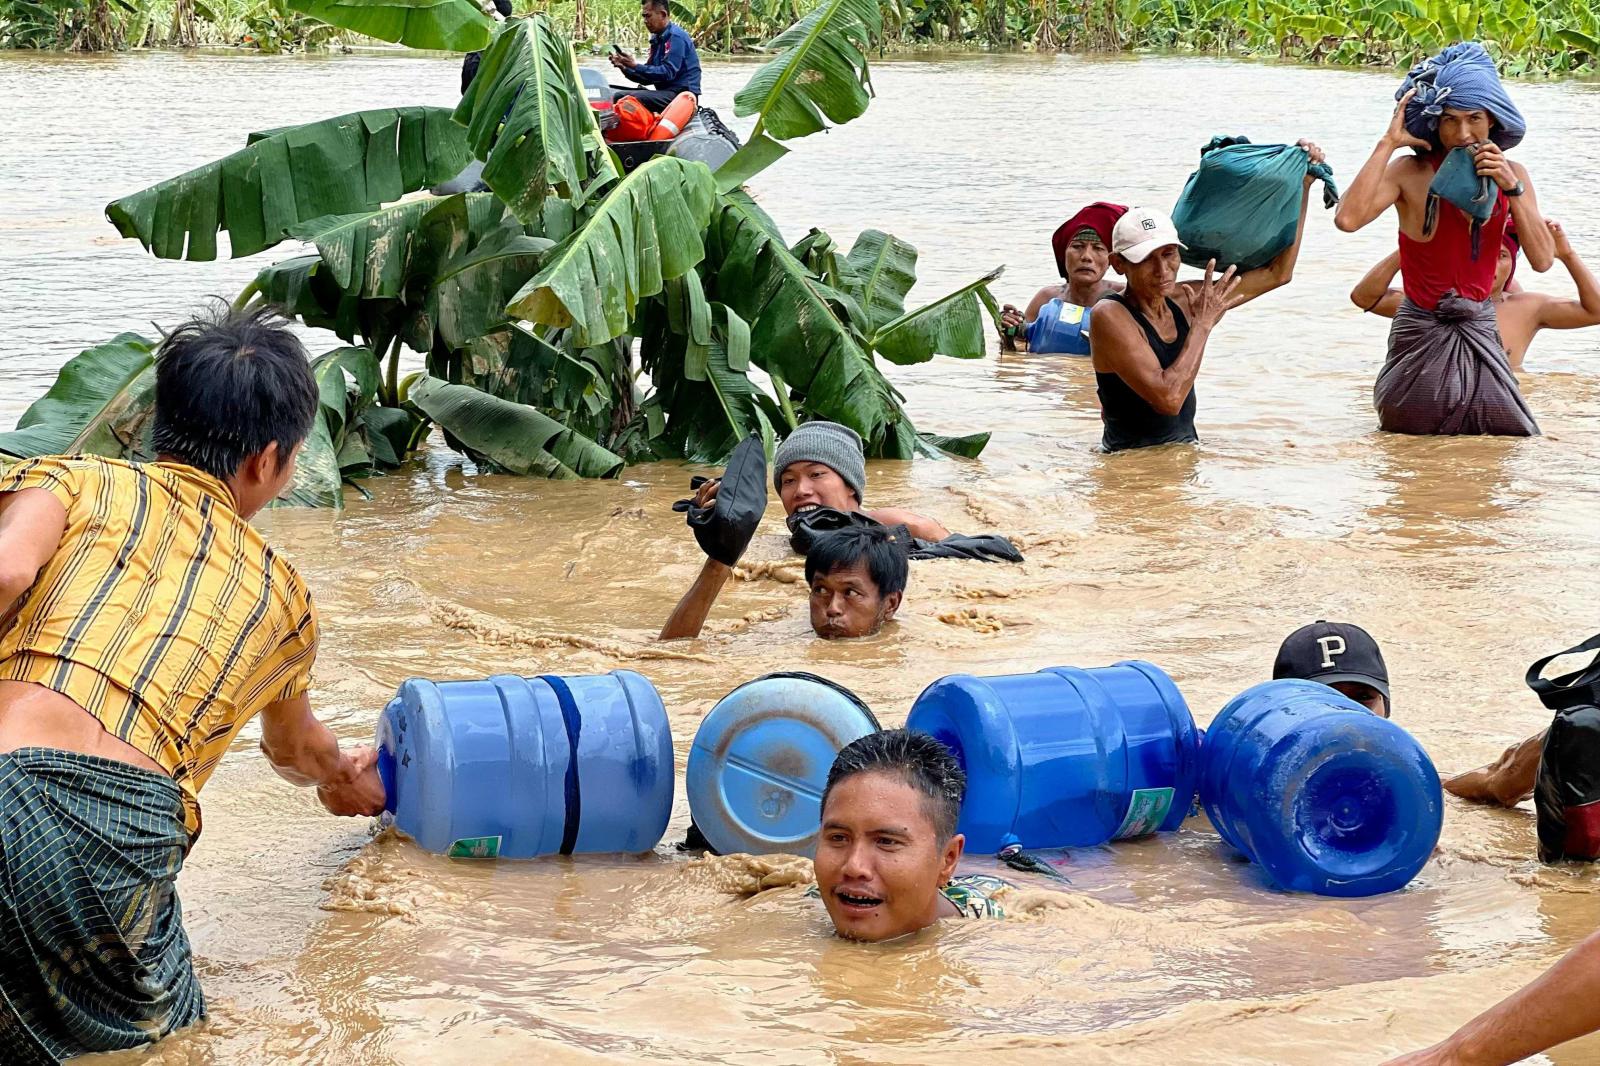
(1148,340)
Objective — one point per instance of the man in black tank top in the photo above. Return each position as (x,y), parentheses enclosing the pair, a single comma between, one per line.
(1148,340)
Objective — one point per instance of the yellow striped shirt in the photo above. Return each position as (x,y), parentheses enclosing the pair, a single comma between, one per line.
(163,613)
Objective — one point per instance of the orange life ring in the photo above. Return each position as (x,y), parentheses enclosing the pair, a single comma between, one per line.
(675,117)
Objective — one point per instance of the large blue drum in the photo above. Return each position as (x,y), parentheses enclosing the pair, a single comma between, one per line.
(1065,757)
(522,766)
(1326,796)
(760,761)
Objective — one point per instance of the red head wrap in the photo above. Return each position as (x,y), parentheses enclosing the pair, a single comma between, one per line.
(1510,239)
(1099,216)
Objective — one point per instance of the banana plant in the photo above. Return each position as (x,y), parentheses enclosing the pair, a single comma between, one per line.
(351,163)
(537,305)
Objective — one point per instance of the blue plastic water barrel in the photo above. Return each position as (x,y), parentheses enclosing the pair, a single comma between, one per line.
(761,758)
(1325,795)
(1065,757)
(523,766)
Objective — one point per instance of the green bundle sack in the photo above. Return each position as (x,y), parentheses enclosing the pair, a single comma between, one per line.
(1242,206)
(1458,182)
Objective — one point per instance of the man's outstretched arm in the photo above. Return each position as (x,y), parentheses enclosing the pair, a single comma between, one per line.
(1562,1005)
(305,752)
(689,617)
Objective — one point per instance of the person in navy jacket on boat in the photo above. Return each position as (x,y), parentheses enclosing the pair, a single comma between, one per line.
(673,65)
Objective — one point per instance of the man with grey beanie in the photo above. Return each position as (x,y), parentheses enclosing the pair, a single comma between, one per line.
(821,464)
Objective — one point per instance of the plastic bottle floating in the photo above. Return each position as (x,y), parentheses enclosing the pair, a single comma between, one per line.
(1066,757)
(760,761)
(514,767)
(1325,795)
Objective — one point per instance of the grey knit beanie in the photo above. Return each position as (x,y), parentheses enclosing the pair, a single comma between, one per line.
(834,446)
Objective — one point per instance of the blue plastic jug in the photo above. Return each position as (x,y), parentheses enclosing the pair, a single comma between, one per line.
(1325,795)
(760,761)
(521,766)
(1065,757)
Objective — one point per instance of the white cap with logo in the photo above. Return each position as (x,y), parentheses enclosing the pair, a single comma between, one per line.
(1142,231)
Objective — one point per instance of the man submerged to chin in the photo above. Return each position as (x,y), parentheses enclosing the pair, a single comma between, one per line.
(888,850)
(857,578)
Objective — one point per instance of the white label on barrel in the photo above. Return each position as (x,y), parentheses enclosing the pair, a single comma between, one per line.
(1147,809)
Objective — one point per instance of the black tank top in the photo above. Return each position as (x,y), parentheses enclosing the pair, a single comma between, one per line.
(1130,422)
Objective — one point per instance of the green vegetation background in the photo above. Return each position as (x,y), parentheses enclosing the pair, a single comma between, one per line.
(1528,37)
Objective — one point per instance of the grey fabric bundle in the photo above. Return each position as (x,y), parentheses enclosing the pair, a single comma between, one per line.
(1447,373)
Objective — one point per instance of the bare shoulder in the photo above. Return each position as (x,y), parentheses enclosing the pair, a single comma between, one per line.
(1412,173)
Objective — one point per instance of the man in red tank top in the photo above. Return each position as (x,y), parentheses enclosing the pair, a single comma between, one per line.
(1446,370)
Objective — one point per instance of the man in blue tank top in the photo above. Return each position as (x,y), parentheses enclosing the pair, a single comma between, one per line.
(673,65)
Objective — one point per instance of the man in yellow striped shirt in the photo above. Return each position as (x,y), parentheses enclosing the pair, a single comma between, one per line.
(143,621)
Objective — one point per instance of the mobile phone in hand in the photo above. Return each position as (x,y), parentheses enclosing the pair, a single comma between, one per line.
(616,48)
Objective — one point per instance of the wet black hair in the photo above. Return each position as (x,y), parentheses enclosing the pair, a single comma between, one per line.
(229,383)
(884,549)
(663,5)
(919,760)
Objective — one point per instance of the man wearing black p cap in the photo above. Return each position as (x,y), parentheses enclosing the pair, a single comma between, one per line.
(1340,655)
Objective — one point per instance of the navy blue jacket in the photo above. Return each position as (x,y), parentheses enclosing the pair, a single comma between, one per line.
(673,65)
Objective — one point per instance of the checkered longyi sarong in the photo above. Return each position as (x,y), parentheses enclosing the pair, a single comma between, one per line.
(93,956)
(1447,373)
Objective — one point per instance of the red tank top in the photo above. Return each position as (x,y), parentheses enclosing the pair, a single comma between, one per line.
(1429,269)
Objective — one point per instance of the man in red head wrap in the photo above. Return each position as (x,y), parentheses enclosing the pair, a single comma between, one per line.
(1057,319)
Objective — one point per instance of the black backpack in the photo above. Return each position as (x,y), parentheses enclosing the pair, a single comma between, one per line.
(1567,795)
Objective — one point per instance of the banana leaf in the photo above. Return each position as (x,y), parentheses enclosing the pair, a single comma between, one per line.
(305,287)
(751,159)
(501,435)
(967,447)
(100,403)
(338,166)
(516,364)
(885,269)
(392,434)
(795,331)
(347,382)
(820,72)
(528,119)
(472,258)
(447,25)
(317,480)
(647,231)
(702,420)
(368,253)
(952,325)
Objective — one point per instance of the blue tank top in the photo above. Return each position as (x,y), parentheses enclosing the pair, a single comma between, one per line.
(1061,328)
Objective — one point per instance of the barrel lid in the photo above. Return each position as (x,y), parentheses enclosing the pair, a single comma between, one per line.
(760,761)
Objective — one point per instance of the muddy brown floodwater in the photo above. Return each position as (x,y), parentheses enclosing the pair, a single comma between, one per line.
(1467,558)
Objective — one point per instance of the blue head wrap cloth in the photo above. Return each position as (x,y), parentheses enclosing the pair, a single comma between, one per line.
(1462,77)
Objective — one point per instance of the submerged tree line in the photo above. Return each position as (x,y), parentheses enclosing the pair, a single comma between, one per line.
(1528,37)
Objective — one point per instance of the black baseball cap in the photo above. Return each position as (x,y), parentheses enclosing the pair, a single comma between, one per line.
(1333,651)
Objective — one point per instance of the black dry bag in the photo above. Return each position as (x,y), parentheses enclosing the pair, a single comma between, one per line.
(1567,796)
(724,529)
